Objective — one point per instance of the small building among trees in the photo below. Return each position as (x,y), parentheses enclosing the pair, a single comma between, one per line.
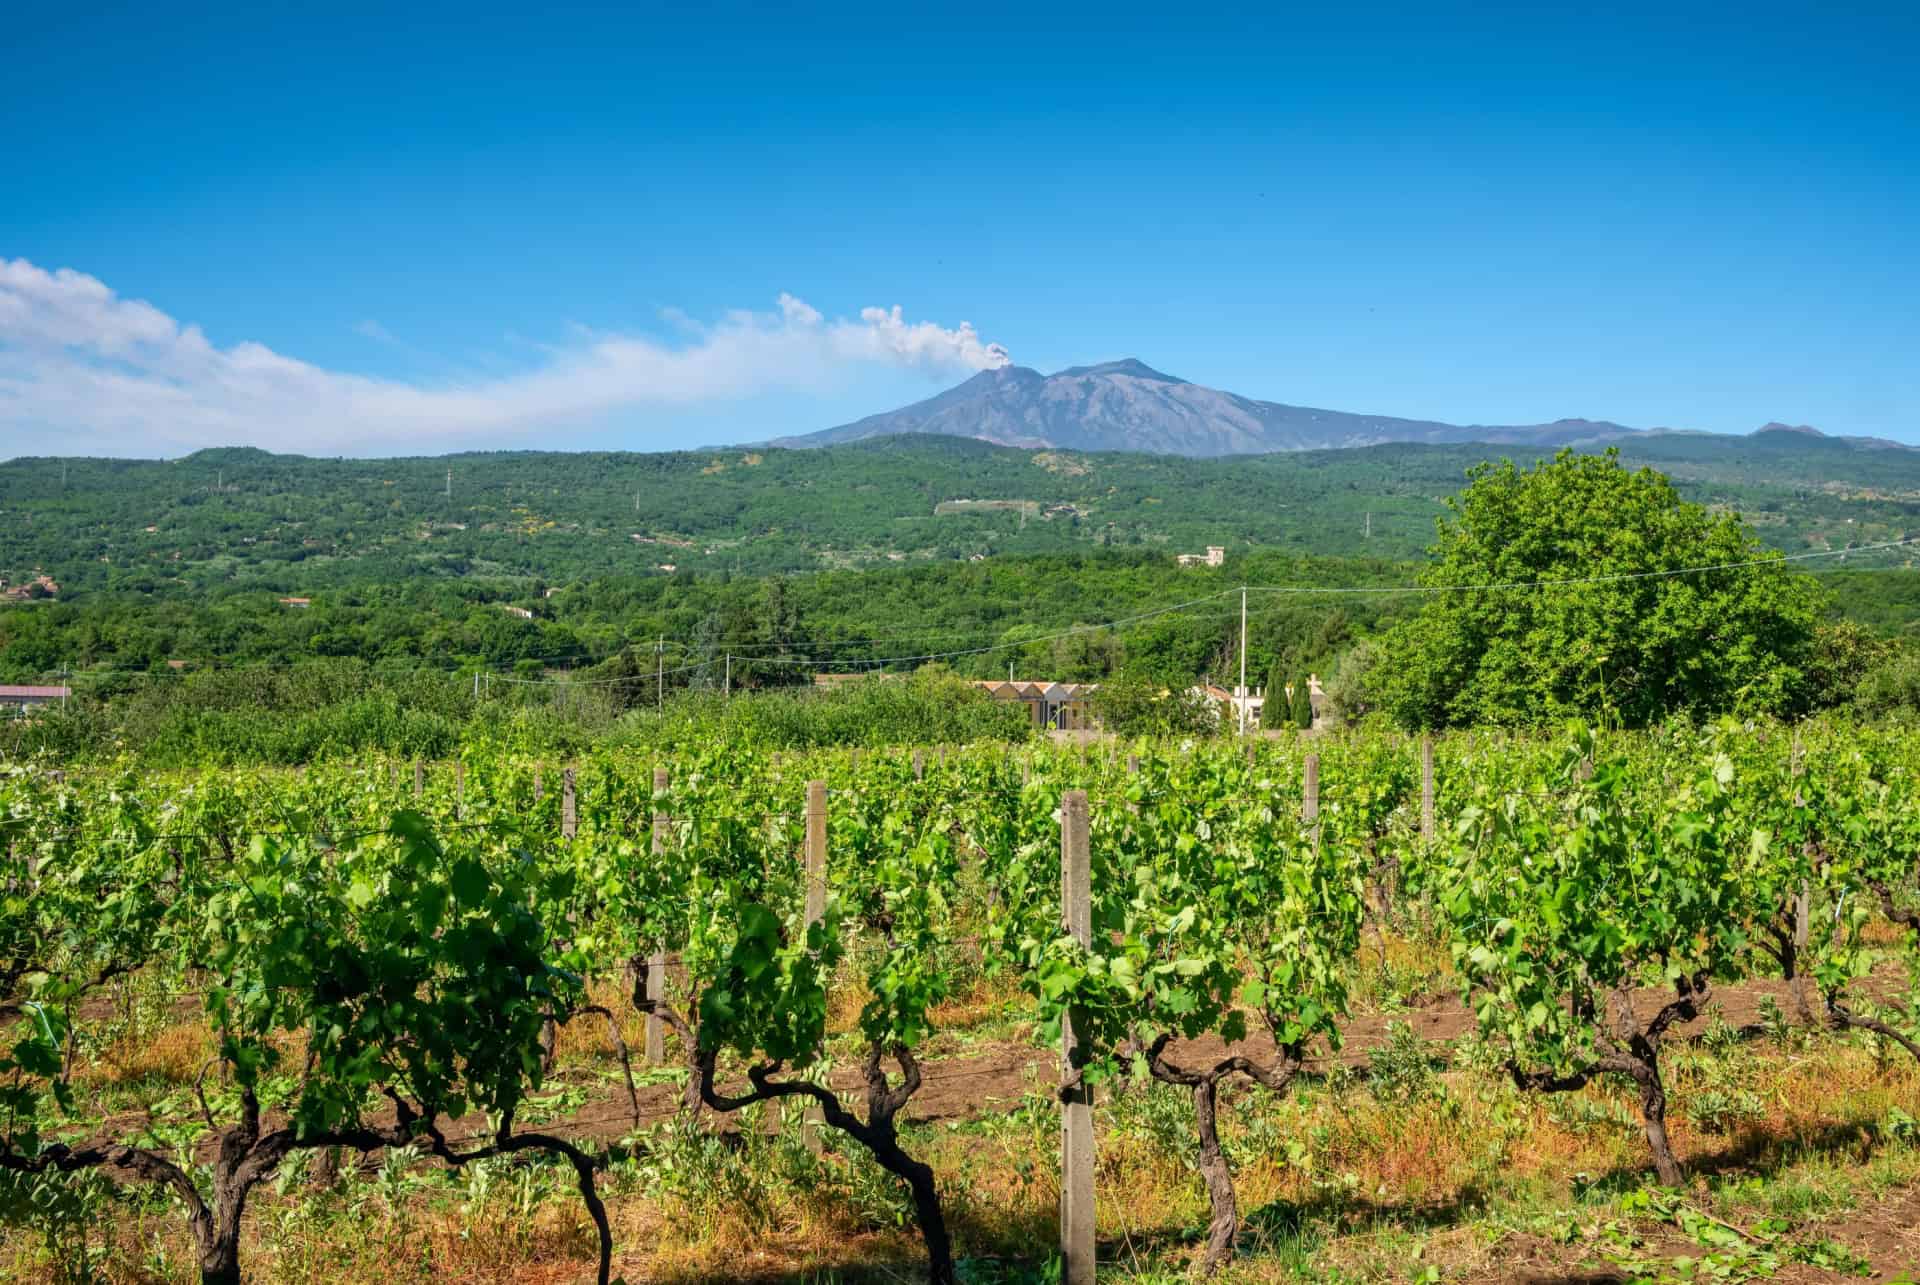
(19,701)
(1065,707)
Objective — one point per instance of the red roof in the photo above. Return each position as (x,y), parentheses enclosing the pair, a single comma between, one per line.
(46,693)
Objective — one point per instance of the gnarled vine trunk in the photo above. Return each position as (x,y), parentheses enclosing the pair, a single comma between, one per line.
(1633,1050)
(878,1133)
(1223,1226)
(1653,1113)
(1842,1018)
(247,1155)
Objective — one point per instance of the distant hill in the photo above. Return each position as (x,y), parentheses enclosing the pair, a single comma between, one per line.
(223,519)
(1129,406)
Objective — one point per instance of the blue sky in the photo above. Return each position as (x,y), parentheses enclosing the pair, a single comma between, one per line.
(543,225)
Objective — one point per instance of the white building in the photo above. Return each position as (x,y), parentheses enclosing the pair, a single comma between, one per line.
(1241,707)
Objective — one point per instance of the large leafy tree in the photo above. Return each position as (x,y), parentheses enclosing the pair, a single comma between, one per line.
(1569,589)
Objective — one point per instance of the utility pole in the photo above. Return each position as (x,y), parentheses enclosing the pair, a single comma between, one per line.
(476,685)
(728,689)
(1369,524)
(449,481)
(660,673)
(1243,660)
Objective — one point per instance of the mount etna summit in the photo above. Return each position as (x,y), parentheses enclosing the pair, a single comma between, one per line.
(1129,406)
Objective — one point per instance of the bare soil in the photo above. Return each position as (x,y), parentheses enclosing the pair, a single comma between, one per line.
(1886,1232)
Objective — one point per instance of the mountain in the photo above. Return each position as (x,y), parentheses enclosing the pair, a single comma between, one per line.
(1129,406)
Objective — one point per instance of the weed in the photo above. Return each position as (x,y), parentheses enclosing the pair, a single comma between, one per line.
(1719,1112)
(1401,1070)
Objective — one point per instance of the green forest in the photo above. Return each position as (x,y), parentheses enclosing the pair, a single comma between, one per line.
(229,518)
(341,622)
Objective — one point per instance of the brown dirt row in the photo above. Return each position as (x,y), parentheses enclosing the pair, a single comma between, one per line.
(968,1085)
(1885,1231)
(971,1084)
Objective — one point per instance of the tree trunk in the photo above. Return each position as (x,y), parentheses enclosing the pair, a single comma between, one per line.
(933,1220)
(217,1227)
(220,1266)
(1225,1227)
(1653,1109)
(876,1133)
(881,1140)
(220,1248)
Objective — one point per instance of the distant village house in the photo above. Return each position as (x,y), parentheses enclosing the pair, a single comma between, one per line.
(1215,556)
(23,700)
(1252,706)
(38,587)
(1240,707)
(1063,707)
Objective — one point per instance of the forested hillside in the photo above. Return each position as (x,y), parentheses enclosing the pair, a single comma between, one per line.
(247,518)
(977,616)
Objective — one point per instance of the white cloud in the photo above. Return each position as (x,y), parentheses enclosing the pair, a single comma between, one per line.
(106,374)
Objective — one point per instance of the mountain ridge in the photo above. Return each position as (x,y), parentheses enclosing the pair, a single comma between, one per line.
(1127,405)
(223,517)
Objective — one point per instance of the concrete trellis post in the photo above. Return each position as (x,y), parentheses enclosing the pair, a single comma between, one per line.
(815,1119)
(657,962)
(1076,1111)
(1310,795)
(1426,789)
(1802,904)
